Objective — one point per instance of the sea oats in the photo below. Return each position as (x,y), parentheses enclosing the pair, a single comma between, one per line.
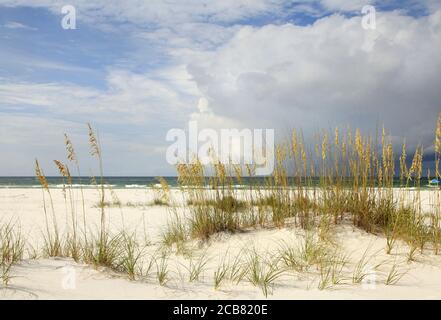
(39,174)
(93,141)
(71,156)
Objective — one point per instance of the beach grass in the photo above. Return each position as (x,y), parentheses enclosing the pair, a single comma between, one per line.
(12,246)
(356,186)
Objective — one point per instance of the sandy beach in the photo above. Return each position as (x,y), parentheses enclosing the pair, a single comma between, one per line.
(38,277)
(220,150)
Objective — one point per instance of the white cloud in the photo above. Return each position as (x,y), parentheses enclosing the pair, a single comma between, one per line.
(276,76)
(345,5)
(130,97)
(133,115)
(324,75)
(159,11)
(17,25)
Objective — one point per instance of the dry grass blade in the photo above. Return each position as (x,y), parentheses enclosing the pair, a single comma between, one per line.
(11,250)
(394,275)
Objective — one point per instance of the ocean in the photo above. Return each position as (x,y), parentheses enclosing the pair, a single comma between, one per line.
(85,182)
(139,182)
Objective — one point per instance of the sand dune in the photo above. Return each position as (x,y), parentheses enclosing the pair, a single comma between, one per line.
(56,278)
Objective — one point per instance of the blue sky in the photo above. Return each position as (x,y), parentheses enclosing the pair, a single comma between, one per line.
(136,69)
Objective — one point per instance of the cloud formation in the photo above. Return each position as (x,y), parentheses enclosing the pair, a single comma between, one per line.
(158,11)
(224,63)
(330,73)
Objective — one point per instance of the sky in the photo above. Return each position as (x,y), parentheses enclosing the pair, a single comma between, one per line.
(136,69)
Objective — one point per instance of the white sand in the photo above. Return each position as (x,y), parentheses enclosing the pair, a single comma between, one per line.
(64,279)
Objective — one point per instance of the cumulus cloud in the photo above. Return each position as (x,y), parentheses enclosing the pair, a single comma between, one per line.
(330,73)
